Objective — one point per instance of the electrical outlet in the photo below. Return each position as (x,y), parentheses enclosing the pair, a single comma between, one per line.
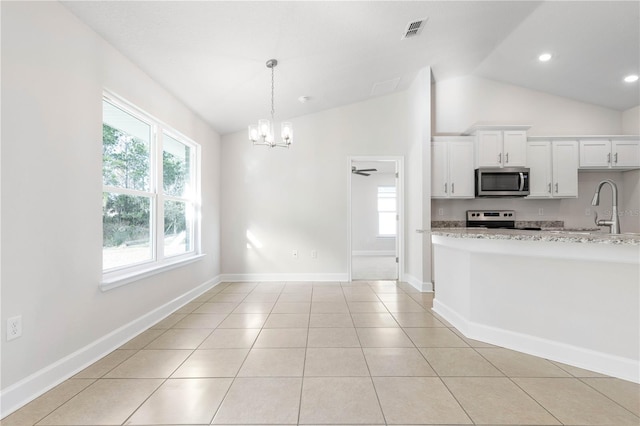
(440,212)
(294,253)
(540,212)
(14,327)
(587,211)
(314,254)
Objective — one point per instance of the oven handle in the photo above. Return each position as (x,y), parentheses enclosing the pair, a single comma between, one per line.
(521,181)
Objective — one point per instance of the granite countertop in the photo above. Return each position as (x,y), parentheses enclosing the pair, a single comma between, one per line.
(564,235)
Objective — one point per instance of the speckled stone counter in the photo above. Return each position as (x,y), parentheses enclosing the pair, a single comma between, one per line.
(546,235)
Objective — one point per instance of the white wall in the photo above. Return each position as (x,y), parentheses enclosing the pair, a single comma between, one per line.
(463,101)
(418,183)
(631,121)
(364,211)
(54,69)
(297,199)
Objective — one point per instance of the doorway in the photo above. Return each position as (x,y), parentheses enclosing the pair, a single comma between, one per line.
(375,213)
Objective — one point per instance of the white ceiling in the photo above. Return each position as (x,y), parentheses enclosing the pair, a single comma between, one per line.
(212,54)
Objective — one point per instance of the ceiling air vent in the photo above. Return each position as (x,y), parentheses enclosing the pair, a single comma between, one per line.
(414,28)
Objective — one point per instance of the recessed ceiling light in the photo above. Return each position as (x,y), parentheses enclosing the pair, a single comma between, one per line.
(304,99)
(544,57)
(631,78)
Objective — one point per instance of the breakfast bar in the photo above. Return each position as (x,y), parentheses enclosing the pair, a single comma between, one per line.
(572,297)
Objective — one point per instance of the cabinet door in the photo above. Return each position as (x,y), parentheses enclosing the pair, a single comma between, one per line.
(461,172)
(625,153)
(565,169)
(539,163)
(439,170)
(489,148)
(595,153)
(515,148)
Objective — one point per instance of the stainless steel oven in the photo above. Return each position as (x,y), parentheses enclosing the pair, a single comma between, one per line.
(502,182)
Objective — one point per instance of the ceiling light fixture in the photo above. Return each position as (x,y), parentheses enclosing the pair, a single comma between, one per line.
(545,57)
(631,78)
(264,129)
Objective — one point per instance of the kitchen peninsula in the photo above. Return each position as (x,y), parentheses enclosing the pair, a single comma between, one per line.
(572,297)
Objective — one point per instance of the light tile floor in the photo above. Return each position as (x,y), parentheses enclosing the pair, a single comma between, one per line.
(324,353)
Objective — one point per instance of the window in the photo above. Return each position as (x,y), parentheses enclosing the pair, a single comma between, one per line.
(149,192)
(387,212)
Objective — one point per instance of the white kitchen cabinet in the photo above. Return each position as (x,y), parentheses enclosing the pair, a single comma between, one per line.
(501,148)
(553,169)
(609,154)
(625,153)
(564,156)
(452,172)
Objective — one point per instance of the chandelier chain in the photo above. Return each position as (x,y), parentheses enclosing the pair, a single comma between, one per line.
(273,109)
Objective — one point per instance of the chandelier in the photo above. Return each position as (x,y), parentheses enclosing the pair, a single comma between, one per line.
(263,133)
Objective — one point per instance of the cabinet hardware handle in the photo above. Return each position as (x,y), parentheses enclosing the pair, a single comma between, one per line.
(549,188)
(556,187)
(500,158)
(445,188)
(453,188)
(507,158)
(615,158)
(608,158)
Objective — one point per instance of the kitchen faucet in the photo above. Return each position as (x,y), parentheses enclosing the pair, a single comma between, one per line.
(613,223)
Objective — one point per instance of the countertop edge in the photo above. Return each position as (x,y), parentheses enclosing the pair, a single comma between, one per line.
(545,236)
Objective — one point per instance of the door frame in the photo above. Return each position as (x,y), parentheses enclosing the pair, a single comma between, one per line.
(399,162)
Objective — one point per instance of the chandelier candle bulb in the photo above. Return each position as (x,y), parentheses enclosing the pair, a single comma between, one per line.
(253,133)
(265,128)
(287,132)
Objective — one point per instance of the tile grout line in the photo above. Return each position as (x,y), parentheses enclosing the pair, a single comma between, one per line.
(603,394)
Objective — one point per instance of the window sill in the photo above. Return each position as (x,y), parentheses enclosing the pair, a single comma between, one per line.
(385,236)
(115,281)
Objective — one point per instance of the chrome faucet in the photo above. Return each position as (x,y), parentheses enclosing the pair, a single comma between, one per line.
(613,223)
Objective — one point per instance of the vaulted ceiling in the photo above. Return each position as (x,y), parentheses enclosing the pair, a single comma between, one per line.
(212,54)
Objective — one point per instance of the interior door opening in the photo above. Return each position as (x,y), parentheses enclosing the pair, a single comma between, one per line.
(375,195)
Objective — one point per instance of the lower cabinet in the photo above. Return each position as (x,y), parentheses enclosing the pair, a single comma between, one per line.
(553,169)
(452,172)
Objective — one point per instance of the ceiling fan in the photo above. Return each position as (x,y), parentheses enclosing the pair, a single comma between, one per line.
(362,172)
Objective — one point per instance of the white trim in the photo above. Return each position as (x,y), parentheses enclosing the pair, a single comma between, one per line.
(129,275)
(600,362)
(423,287)
(29,388)
(312,277)
(373,253)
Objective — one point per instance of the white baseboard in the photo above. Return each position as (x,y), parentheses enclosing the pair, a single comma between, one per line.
(424,287)
(29,388)
(611,365)
(284,277)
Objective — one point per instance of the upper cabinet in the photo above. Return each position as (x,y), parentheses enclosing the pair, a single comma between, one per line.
(500,146)
(609,153)
(553,168)
(452,167)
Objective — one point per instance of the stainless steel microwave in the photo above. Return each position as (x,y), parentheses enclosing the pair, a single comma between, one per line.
(502,182)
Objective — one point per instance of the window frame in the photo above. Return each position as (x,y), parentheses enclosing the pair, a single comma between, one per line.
(121,275)
(394,212)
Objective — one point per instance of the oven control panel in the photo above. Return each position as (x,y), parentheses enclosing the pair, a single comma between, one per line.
(490,215)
